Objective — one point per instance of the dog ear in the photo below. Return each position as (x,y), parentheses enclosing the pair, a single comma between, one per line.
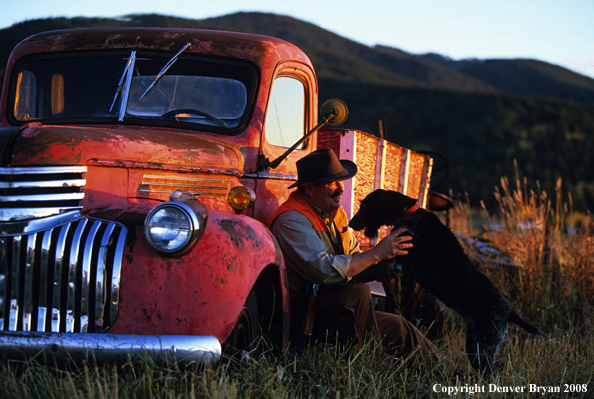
(399,202)
(391,204)
(409,202)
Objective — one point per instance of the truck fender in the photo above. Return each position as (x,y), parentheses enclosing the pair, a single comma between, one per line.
(203,291)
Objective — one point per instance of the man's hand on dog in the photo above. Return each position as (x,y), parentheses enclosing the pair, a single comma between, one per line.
(394,244)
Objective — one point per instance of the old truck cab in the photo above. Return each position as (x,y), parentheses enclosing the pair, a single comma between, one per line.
(136,185)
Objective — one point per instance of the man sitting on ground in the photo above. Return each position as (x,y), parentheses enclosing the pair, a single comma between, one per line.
(312,230)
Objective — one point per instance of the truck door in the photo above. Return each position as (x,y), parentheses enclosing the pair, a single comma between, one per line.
(291,112)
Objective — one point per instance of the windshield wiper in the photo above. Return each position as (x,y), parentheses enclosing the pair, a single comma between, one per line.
(124,84)
(165,68)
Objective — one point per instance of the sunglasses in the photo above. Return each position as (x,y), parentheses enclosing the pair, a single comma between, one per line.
(332,185)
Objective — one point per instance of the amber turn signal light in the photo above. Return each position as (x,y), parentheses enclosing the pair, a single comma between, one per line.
(241,198)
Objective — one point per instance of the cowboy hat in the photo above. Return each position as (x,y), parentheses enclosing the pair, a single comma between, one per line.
(323,166)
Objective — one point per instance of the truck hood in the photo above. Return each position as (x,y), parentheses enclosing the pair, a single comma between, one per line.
(61,145)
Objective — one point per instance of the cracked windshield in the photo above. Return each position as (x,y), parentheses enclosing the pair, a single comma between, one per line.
(132,87)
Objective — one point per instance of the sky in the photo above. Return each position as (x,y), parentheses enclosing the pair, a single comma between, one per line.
(557,31)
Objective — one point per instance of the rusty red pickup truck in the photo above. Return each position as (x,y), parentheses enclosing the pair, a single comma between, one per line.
(139,170)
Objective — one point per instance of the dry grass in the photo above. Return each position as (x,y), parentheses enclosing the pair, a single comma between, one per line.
(552,287)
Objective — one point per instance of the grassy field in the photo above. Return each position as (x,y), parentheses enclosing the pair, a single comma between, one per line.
(553,288)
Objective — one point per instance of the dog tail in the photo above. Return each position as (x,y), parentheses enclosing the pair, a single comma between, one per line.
(514,318)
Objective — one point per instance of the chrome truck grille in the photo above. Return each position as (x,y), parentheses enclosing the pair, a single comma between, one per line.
(59,271)
(34,192)
(61,279)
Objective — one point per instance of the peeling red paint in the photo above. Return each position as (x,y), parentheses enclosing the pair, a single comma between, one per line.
(203,291)
(220,295)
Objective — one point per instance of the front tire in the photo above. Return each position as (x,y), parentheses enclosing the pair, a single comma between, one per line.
(245,339)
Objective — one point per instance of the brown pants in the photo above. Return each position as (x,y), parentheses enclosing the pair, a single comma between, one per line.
(349,315)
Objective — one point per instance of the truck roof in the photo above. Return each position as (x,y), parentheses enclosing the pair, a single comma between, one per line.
(255,48)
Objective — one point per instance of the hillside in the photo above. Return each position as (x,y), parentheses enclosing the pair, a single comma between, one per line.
(523,77)
(480,114)
(335,57)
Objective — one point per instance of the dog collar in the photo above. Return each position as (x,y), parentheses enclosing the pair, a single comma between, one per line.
(409,212)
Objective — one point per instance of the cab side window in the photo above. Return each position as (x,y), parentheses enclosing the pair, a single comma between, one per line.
(285,118)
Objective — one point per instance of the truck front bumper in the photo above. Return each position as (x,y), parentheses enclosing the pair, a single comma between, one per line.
(109,348)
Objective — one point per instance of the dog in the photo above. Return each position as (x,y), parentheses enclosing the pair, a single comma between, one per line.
(439,264)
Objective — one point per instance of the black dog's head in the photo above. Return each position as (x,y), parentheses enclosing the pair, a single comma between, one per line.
(380,208)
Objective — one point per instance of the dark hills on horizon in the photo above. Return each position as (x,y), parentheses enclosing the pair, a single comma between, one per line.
(482,115)
(336,57)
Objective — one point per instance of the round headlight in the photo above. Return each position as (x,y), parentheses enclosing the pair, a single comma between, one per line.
(172,227)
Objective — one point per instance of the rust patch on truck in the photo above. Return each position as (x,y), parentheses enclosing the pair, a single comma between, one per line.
(240,233)
(230,261)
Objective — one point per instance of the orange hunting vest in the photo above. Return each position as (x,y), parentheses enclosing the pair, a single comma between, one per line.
(297,203)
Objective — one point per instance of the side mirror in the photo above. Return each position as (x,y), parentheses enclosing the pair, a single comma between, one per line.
(335,107)
(333,112)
